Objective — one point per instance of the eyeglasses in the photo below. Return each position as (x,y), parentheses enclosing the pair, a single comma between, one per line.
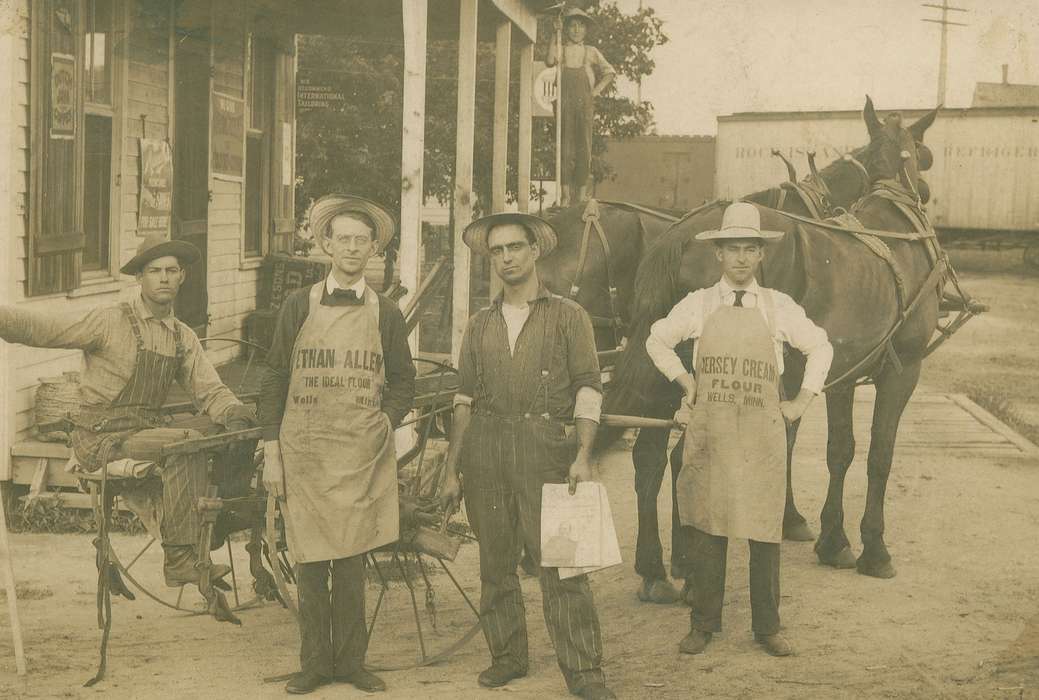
(499,250)
(358,241)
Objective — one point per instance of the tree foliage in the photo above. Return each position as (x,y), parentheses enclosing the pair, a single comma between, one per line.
(355,146)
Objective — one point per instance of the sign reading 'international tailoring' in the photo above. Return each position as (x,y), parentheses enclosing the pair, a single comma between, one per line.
(316,91)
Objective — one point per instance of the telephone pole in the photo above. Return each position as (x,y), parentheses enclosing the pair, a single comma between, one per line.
(944,55)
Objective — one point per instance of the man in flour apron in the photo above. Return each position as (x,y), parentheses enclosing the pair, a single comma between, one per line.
(339,379)
(528,370)
(733,479)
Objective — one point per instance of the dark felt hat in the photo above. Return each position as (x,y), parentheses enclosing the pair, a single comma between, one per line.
(475,234)
(158,245)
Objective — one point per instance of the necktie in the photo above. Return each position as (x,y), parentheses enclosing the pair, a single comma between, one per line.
(343,297)
(739,297)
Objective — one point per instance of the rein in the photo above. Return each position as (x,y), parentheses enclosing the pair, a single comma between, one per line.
(590,217)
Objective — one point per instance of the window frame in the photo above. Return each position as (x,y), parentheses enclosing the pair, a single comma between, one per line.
(263,135)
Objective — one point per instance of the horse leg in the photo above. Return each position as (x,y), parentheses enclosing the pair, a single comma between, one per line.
(833,548)
(649,456)
(795,527)
(893,391)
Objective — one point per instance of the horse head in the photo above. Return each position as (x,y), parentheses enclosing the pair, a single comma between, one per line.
(895,151)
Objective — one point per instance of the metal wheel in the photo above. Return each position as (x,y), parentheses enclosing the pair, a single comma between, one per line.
(404,591)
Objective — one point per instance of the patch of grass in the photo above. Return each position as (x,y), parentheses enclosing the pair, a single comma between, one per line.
(48,514)
(1002,408)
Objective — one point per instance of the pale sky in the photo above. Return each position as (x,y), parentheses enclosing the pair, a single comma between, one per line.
(730,56)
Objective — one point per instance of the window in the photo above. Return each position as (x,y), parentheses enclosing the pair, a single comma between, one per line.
(258,144)
(97,133)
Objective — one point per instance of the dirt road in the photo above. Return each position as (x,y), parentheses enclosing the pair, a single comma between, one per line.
(961,619)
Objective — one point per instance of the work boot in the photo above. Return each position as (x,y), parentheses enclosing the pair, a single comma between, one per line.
(180,568)
(305,682)
(365,680)
(594,691)
(774,644)
(498,674)
(695,642)
(657,590)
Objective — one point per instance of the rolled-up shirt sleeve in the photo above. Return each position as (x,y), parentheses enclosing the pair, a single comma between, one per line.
(74,331)
(466,368)
(199,378)
(682,323)
(804,335)
(588,404)
(582,358)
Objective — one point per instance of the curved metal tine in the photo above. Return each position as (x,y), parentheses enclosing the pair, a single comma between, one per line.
(234,579)
(383,587)
(459,587)
(414,605)
(180,594)
(140,554)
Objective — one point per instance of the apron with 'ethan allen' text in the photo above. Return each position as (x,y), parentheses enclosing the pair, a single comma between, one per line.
(733,478)
(336,442)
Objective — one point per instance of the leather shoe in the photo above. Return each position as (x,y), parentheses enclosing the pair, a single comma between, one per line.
(365,680)
(305,682)
(657,590)
(498,674)
(179,566)
(695,642)
(774,644)
(595,691)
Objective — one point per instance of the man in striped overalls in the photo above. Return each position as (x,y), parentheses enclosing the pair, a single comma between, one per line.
(133,354)
(528,369)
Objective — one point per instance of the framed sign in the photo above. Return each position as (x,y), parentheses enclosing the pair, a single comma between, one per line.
(153,211)
(228,136)
(63,96)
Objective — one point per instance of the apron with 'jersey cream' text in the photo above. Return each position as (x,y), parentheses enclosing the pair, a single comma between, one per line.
(733,478)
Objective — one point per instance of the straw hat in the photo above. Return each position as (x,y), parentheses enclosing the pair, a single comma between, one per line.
(475,234)
(578,13)
(326,208)
(740,220)
(158,246)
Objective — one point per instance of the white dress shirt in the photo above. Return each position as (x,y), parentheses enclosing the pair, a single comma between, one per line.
(331,284)
(686,320)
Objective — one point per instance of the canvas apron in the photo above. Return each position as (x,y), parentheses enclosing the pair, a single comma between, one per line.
(733,478)
(336,443)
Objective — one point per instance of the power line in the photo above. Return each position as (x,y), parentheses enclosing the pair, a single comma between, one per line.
(943,56)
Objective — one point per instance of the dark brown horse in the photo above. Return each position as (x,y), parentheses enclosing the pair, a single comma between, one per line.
(629,231)
(876,296)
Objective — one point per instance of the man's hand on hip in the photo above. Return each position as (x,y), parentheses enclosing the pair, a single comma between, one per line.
(273,471)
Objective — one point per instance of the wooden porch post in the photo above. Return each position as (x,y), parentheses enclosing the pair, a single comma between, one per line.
(412,148)
(500,145)
(463,196)
(526,120)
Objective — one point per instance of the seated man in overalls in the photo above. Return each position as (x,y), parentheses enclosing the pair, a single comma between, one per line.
(133,353)
(733,478)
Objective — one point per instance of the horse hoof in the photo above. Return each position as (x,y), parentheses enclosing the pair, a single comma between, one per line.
(843,559)
(882,570)
(798,533)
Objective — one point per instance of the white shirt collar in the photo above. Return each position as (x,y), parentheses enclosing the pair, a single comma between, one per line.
(727,289)
(331,285)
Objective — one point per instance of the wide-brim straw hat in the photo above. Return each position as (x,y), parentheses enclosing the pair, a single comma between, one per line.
(475,234)
(578,13)
(740,220)
(157,245)
(328,207)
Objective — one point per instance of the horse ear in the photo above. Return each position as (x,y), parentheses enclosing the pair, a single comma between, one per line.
(922,124)
(873,125)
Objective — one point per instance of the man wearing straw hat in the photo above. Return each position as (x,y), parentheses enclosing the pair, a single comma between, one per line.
(133,353)
(733,478)
(340,378)
(527,370)
(584,75)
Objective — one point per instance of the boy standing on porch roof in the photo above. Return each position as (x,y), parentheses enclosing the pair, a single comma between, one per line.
(733,478)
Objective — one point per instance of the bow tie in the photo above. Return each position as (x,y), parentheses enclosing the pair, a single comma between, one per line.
(343,297)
